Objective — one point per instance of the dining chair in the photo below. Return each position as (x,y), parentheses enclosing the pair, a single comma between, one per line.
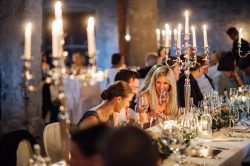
(24,153)
(52,142)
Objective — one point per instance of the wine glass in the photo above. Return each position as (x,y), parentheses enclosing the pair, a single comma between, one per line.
(143,103)
(216,114)
(233,115)
(164,96)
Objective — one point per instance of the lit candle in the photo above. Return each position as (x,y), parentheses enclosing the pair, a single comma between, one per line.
(179,37)
(175,35)
(158,36)
(170,37)
(27,41)
(91,37)
(186,23)
(194,37)
(167,35)
(56,39)
(163,35)
(205,36)
(240,35)
(58,10)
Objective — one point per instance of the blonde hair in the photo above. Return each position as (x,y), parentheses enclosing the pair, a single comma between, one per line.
(147,79)
(152,94)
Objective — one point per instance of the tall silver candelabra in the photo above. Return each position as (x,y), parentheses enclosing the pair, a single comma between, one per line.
(26,83)
(190,60)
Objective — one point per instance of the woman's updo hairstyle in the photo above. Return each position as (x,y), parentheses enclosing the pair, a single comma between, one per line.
(118,88)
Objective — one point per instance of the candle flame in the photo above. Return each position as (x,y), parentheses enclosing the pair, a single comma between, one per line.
(157,31)
(166,26)
(163,32)
(193,28)
(204,26)
(179,26)
(186,13)
(58,5)
(91,22)
(29,26)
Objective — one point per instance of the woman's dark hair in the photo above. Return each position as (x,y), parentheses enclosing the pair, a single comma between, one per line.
(159,50)
(116,59)
(226,62)
(118,88)
(89,140)
(126,75)
(200,62)
(130,146)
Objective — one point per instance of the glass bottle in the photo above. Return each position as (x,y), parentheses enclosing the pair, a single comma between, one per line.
(206,124)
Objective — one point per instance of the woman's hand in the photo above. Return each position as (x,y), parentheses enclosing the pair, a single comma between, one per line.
(159,110)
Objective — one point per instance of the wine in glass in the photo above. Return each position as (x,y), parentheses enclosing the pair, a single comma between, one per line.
(143,103)
(164,96)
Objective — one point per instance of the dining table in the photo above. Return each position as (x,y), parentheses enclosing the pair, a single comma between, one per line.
(232,143)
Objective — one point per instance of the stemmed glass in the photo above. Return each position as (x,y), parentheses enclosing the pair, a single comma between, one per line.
(216,114)
(143,103)
(143,106)
(164,96)
(233,115)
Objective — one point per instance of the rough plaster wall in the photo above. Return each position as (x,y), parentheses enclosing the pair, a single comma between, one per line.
(142,23)
(13,16)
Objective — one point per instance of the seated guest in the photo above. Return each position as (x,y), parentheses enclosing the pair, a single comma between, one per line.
(132,78)
(78,63)
(117,61)
(204,81)
(161,52)
(115,97)
(130,146)
(196,72)
(244,65)
(150,61)
(163,80)
(146,81)
(214,63)
(227,77)
(85,146)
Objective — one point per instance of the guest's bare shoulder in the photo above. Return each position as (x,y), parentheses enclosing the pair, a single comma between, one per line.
(89,121)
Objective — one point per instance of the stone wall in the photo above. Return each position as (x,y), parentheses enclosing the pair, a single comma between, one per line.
(219,15)
(13,16)
(106,24)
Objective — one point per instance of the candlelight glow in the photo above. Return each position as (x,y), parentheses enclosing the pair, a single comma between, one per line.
(127,37)
(91,22)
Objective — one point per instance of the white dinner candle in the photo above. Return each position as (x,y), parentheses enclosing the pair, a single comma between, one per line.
(158,36)
(27,41)
(179,37)
(163,35)
(56,39)
(58,10)
(186,22)
(194,37)
(175,35)
(91,37)
(167,35)
(240,35)
(170,37)
(205,36)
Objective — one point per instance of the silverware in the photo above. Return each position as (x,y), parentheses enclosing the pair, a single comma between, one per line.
(212,146)
(228,140)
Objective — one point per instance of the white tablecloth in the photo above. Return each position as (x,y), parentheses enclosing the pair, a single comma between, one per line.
(232,157)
